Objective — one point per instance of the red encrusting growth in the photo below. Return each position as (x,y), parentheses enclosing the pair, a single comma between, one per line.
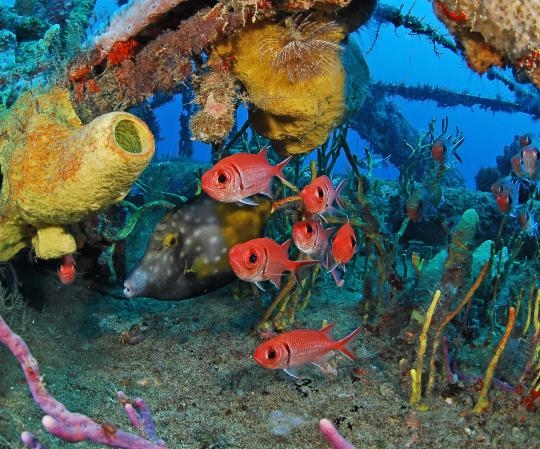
(121,51)
(456,16)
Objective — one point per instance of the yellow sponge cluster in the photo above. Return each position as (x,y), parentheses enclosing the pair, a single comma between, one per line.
(55,171)
(496,32)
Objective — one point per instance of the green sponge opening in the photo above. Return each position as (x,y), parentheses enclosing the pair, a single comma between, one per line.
(127,136)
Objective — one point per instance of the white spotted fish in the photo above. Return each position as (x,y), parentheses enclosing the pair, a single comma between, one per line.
(187,254)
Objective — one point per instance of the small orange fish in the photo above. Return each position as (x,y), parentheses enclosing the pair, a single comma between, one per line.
(517,166)
(67,271)
(291,350)
(506,194)
(526,139)
(439,151)
(264,259)
(344,244)
(529,157)
(527,222)
(237,177)
(311,238)
(319,195)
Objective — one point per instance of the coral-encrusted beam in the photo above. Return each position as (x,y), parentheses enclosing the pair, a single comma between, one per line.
(59,421)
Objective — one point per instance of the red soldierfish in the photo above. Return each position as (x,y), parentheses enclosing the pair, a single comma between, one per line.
(263,259)
(529,157)
(293,349)
(319,195)
(506,194)
(311,238)
(237,177)
(66,271)
(344,244)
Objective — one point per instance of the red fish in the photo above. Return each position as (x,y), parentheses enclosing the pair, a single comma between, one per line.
(506,194)
(423,201)
(438,151)
(527,222)
(526,139)
(517,166)
(311,238)
(237,177)
(263,259)
(291,350)
(529,157)
(67,271)
(344,244)
(319,195)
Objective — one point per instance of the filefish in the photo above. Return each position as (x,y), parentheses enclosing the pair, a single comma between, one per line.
(238,177)
(188,252)
(291,350)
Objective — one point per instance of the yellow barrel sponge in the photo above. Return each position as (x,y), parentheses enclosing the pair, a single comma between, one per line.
(294,75)
(56,171)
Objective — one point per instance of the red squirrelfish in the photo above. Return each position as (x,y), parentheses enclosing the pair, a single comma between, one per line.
(311,238)
(264,259)
(291,350)
(439,151)
(237,177)
(344,244)
(506,194)
(527,222)
(319,195)
(529,157)
(67,271)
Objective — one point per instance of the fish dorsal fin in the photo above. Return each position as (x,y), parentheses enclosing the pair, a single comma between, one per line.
(262,153)
(286,245)
(328,330)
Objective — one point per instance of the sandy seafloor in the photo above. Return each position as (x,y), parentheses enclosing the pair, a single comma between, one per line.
(194,368)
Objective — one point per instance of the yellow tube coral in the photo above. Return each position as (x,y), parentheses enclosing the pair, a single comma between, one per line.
(56,171)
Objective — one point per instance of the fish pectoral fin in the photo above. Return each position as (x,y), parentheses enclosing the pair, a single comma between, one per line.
(276,280)
(293,372)
(249,201)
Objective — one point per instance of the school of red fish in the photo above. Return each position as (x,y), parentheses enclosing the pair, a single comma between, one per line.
(237,178)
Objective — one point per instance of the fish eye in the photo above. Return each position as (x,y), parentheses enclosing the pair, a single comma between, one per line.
(309,228)
(271,354)
(170,240)
(320,192)
(252,258)
(222,178)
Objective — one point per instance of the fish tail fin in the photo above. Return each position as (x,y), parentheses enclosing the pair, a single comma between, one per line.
(345,344)
(279,168)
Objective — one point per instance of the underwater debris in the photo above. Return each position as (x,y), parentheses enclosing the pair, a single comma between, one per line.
(495,32)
